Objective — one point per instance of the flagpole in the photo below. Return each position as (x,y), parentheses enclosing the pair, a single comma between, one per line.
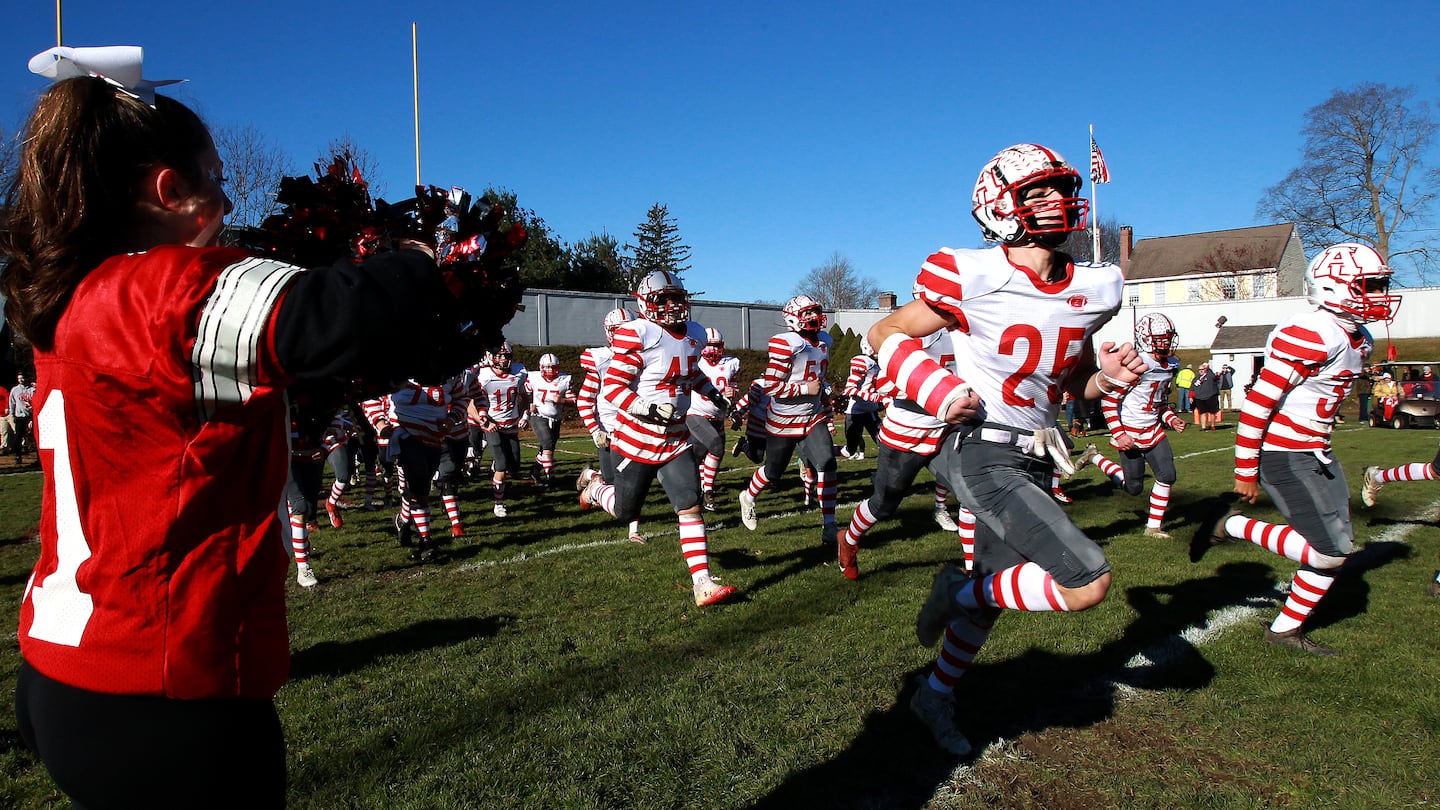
(415,72)
(59,40)
(1094,212)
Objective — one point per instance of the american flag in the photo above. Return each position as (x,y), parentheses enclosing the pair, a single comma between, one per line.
(1099,172)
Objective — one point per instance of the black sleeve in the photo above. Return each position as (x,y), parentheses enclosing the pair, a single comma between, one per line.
(388,318)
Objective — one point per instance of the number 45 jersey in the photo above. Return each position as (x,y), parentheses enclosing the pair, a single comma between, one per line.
(1017,337)
(652,365)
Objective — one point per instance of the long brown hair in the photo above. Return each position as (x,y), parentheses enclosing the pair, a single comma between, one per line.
(85,151)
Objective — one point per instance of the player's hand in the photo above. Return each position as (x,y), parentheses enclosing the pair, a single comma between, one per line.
(1249,491)
(601,438)
(1179,426)
(810,387)
(1122,440)
(1122,364)
(962,409)
(659,413)
(385,430)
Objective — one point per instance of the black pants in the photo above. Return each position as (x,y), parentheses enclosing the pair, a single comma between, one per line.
(856,426)
(129,751)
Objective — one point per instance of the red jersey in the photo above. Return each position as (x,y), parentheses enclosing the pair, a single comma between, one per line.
(157,576)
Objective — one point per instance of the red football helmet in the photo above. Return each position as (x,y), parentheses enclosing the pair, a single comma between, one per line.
(1000,201)
(1353,281)
(804,314)
(663,299)
(549,367)
(1155,334)
(714,346)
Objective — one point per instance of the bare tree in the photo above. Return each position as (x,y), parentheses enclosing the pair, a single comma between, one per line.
(362,160)
(1361,176)
(253,168)
(1079,245)
(1229,272)
(837,285)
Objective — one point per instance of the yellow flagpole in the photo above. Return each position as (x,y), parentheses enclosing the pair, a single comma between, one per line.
(415,71)
(59,40)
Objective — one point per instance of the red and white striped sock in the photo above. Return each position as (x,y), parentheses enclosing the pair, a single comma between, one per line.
(942,495)
(1055,481)
(860,523)
(421,516)
(963,640)
(547,464)
(604,497)
(407,510)
(499,485)
(758,483)
(807,479)
(1408,472)
(825,483)
(967,537)
(1026,586)
(452,508)
(694,546)
(299,538)
(1273,537)
(708,470)
(337,489)
(1159,502)
(1111,470)
(400,478)
(1306,591)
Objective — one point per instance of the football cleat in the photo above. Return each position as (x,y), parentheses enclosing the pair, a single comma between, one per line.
(500,509)
(1157,532)
(845,452)
(456,530)
(1372,486)
(709,592)
(1209,536)
(1087,457)
(940,607)
(848,553)
(402,530)
(708,500)
(944,521)
(829,534)
(747,510)
(585,484)
(937,712)
(860,456)
(1297,640)
(636,537)
(742,445)
(333,510)
(425,553)
(304,577)
(1060,496)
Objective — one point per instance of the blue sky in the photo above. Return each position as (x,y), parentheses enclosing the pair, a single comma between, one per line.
(777,133)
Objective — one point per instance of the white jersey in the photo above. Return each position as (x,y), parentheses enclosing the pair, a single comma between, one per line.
(794,362)
(419,409)
(1016,337)
(498,395)
(652,366)
(1137,410)
(906,426)
(548,395)
(595,412)
(722,376)
(860,385)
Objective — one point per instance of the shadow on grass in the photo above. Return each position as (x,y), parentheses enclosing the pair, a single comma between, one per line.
(334,658)
(1350,595)
(894,763)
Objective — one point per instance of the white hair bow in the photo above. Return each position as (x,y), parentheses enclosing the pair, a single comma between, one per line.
(117,64)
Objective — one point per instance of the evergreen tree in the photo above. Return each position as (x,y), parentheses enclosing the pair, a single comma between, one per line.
(543,261)
(657,247)
(596,265)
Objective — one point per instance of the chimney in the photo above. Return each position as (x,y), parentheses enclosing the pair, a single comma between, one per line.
(887,300)
(1127,243)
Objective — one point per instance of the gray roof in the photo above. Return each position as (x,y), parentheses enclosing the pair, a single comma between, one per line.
(1231,251)
(1232,338)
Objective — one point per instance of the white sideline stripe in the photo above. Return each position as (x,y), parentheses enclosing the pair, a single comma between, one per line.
(1164,652)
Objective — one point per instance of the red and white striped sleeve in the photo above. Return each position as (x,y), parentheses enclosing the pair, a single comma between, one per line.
(921,377)
(624,370)
(777,369)
(1110,409)
(939,286)
(858,368)
(1293,354)
(585,399)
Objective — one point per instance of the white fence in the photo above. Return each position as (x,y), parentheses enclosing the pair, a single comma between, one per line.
(563,318)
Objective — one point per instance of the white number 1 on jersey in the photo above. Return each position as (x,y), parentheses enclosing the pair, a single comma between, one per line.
(61,609)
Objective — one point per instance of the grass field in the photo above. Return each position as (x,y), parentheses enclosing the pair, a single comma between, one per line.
(549,663)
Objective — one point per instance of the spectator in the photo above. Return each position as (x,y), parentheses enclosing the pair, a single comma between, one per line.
(1205,398)
(7,425)
(1183,380)
(1426,386)
(1227,383)
(20,414)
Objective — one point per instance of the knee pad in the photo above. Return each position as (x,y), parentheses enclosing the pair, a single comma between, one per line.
(1324,563)
(1133,487)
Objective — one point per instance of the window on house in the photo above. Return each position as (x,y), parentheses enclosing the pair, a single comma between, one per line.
(1260,286)
(1193,293)
(1160,294)
(1227,288)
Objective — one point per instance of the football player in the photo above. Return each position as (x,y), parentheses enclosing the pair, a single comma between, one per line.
(1021,316)
(799,413)
(862,403)
(548,396)
(1377,477)
(500,411)
(1282,442)
(598,414)
(1137,417)
(706,422)
(654,370)
(909,440)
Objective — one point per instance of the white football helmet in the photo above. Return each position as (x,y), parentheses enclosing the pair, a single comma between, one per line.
(1353,281)
(999,203)
(804,314)
(500,357)
(612,321)
(714,345)
(1155,334)
(549,367)
(865,347)
(663,299)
